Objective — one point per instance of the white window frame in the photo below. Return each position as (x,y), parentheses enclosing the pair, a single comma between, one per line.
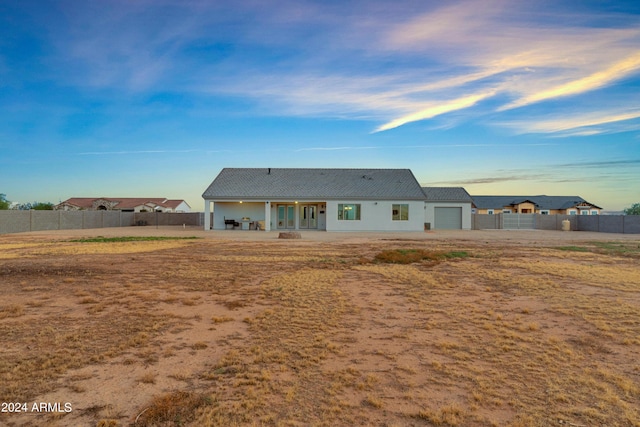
(347,207)
(594,213)
(506,211)
(544,212)
(489,211)
(400,212)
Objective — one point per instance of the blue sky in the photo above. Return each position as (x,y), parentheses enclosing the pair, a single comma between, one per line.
(151,98)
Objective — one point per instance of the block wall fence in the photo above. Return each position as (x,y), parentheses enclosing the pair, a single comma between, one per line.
(627,224)
(24,221)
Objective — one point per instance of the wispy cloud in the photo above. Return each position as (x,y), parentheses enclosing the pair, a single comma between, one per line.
(423,146)
(591,82)
(604,172)
(488,180)
(572,124)
(436,110)
(599,164)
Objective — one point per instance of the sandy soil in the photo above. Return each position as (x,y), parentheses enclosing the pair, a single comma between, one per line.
(528,328)
(541,237)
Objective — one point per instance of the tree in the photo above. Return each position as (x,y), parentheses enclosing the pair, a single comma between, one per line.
(633,210)
(4,203)
(37,206)
(42,206)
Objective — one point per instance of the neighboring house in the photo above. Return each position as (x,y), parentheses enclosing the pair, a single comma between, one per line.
(124,204)
(322,199)
(447,208)
(544,205)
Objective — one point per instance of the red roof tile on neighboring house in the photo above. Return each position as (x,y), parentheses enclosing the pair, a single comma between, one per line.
(120,203)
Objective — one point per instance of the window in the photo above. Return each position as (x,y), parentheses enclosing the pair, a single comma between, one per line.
(490,211)
(506,210)
(348,212)
(594,212)
(400,212)
(573,213)
(584,212)
(545,212)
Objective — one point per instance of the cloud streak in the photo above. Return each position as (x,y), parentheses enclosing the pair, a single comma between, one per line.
(594,81)
(436,110)
(586,123)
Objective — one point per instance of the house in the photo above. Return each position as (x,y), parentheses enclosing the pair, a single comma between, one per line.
(544,205)
(447,208)
(124,204)
(316,199)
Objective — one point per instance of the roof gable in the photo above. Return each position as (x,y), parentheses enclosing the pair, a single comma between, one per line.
(325,184)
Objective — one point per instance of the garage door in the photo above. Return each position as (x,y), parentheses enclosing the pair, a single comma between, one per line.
(448,218)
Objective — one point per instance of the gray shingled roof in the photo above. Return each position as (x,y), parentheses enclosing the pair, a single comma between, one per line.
(542,202)
(320,184)
(446,194)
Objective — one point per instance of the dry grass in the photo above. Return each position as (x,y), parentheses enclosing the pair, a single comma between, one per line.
(371,333)
(410,256)
(172,409)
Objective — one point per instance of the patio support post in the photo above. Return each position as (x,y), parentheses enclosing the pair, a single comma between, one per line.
(267,216)
(207,215)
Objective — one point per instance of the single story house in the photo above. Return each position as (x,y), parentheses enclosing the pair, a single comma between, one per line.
(544,205)
(447,208)
(124,204)
(319,199)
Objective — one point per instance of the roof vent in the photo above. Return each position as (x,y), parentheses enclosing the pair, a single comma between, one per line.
(269,173)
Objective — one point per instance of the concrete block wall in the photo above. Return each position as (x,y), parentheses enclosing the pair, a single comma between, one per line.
(14,221)
(44,220)
(631,224)
(626,224)
(554,222)
(592,223)
(486,222)
(70,220)
(190,218)
(24,221)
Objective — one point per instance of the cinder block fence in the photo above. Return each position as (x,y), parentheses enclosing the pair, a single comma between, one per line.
(24,221)
(627,224)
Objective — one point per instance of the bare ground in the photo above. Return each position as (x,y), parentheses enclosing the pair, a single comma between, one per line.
(527,328)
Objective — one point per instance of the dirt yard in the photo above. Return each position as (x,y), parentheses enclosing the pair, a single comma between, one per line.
(181,327)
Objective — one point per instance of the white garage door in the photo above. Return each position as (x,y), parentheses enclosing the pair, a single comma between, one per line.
(448,218)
